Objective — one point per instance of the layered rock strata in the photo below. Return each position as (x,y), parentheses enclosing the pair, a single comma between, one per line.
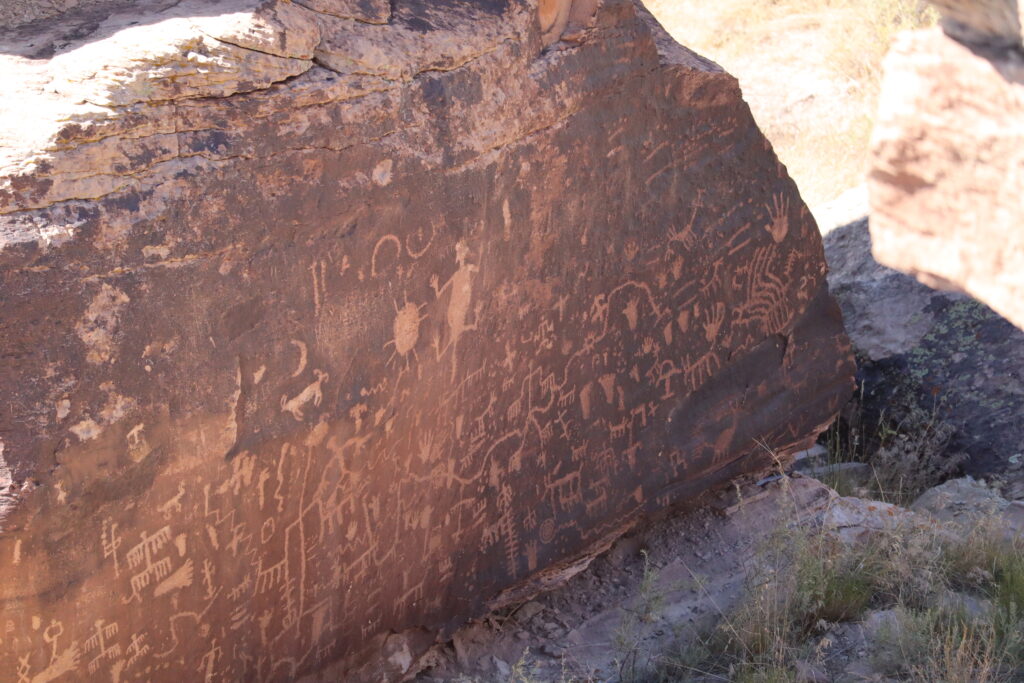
(325,321)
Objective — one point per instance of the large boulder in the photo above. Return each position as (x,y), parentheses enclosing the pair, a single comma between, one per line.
(321,335)
(947,172)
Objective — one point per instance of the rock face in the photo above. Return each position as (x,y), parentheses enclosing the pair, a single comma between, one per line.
(948,168)
(944,352)
(317,330)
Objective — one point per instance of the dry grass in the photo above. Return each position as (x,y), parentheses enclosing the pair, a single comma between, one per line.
(808,581)
(908,446)
(810,70)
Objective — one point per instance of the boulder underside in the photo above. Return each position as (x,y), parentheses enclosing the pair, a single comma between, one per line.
(324,321)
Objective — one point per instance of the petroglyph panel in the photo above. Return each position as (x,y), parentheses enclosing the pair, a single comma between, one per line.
(372,353)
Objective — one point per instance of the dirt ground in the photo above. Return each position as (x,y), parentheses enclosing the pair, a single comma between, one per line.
(650,593)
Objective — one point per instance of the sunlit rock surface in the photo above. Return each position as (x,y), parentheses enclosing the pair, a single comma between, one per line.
(947,176)
(322,321)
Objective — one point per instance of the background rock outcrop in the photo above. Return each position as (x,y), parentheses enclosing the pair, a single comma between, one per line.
(947,171)
(324,322)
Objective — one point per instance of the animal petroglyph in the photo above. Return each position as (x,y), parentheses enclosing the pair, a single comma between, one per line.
(420,333)
(313,393)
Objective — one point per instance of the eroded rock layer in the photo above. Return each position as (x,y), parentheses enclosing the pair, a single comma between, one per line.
(318,327)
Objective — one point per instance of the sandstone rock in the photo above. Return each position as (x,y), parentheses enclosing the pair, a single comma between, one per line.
(947,171)
(857,520)
(321,335)
(968,504)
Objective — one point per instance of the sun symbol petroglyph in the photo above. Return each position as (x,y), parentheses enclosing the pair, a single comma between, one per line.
(406,330)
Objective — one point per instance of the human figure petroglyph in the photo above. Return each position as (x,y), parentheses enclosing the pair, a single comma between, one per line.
(460,292)
(208,664)
(313,393)
(51,637)
(208,583)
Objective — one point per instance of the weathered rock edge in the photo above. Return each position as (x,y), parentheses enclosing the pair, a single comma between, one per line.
(316,329)
(947,168)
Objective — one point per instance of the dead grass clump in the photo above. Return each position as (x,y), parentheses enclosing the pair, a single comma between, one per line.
(868,32)
(908,447)
(955,602)
(914,454)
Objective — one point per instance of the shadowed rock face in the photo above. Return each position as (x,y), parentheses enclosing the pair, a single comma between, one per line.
(316,330)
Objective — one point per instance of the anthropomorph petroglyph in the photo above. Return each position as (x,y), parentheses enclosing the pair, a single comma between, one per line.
(460,292)
(415,337)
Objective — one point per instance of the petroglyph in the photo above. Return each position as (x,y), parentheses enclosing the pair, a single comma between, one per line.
(313,393)
(421,331)
(778,228)
(100,646)
(98,327)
